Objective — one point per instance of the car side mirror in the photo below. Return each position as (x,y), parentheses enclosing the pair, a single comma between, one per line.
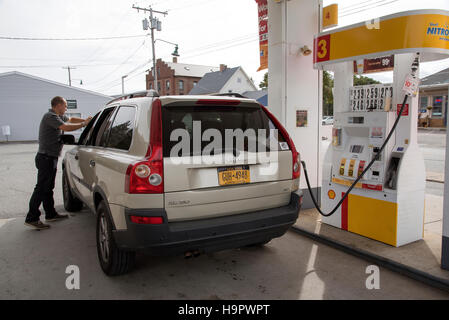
(67,139)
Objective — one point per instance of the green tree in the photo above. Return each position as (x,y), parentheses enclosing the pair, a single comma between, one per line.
(264,83)
(361,81)
(328,84)
(328,97)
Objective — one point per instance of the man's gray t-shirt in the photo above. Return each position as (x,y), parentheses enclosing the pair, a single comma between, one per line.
(49,133)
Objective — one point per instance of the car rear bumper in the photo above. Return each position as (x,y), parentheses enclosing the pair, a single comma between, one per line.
(206,235)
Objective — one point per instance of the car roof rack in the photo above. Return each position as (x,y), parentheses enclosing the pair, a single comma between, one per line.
(228,94)
(137,94)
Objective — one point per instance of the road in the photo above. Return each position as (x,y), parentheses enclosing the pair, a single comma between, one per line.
(33,263)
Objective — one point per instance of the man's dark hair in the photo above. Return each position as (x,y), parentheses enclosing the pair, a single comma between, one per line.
(56,100)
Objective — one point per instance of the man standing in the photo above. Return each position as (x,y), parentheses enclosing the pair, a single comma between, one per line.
(52,123)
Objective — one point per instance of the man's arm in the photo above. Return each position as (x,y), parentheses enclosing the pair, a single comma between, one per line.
(77,120)
(76,124)
(71,126)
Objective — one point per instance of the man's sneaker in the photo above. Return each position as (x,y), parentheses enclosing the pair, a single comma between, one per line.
(37,225)
(57,217)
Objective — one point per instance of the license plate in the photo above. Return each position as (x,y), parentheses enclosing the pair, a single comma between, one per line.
(233,175)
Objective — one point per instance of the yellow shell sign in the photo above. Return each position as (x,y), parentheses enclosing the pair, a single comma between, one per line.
(426,31)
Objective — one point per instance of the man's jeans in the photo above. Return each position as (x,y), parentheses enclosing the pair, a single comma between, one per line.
(43,192)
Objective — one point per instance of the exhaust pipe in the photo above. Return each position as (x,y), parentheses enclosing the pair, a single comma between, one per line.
(190,254)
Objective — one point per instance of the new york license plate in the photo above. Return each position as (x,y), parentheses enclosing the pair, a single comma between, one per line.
(233,175)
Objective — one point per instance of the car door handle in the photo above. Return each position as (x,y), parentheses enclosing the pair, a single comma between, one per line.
(92,163)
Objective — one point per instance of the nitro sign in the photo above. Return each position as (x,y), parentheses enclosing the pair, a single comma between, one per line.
(263,33)
(436,29)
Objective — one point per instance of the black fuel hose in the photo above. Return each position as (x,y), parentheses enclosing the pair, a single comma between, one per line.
(414,68)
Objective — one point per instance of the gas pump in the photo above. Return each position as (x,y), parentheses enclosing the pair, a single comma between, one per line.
(387,203)
(373,179)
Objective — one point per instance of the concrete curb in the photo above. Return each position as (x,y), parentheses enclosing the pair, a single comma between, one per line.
(400,268)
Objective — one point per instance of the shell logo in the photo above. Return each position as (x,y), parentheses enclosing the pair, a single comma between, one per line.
(331,194)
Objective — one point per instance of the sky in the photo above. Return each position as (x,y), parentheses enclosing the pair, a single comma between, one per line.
(208,32)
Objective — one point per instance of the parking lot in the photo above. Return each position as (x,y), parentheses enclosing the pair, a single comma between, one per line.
(33,264)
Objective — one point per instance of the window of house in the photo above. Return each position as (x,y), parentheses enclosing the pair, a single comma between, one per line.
(423,104)
(71,104)
(159,86)
(181,85)
(195,83)
(167,85)
(437,106)
(151,85)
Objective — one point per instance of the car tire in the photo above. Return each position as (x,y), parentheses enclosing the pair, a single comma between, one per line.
(113,261)
(71,203)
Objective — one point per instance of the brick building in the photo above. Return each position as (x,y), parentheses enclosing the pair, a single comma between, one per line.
(176,78)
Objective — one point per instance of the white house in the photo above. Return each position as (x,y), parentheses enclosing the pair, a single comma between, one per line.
(226,80)
(25,98)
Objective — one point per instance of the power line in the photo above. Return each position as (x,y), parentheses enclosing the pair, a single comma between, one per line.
(57,66)
(352,7)
(122,19)
(224,42)
(191,5)
(71,39)
(69,61)
(126,60)
(117,82)
(379,5)
(128,73)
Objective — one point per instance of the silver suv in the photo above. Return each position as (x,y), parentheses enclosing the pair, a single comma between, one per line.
(145,166)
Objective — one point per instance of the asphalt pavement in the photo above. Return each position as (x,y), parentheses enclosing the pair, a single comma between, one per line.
(33,264)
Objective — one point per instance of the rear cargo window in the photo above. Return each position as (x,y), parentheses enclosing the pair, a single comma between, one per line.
(219,118)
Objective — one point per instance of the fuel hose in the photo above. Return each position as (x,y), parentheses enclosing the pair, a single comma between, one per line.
(414,68)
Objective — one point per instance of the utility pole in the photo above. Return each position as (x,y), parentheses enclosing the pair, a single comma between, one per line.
(153,24)
(70,79)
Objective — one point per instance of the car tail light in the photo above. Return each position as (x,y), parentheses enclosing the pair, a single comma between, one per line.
(148,176)
(296,160)
(146,220)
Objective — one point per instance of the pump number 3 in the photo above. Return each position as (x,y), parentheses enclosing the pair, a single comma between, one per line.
(322,48)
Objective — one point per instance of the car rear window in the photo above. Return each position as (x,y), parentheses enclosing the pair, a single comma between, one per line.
(219,118)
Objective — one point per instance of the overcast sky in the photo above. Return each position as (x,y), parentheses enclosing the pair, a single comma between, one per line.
(209,32)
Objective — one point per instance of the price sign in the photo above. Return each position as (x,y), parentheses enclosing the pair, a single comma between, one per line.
(411,85)
(404,112)
(370,97)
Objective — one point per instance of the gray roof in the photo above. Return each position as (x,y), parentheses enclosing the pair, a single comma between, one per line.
(190,70)
(212,82)
(255,94)
(6,74)
(437,79)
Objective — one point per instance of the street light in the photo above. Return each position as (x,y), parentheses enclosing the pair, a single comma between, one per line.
(123,84)
(175,53)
